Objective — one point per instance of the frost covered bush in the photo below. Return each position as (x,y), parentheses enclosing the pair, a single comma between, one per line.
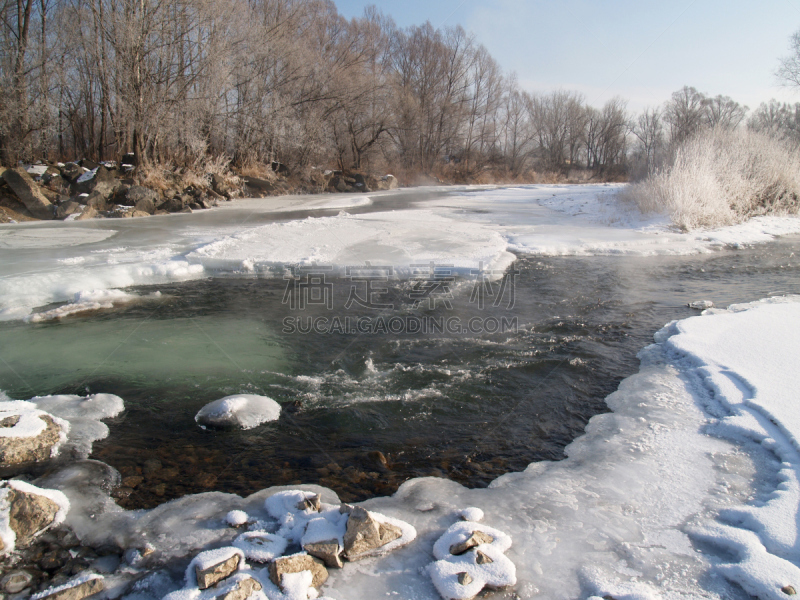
(721,177)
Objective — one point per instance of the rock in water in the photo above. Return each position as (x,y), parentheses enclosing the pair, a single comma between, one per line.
(296,563)
(16,448)
(701,304)
(364,534)
(216,573)
(242,411)
(29,193)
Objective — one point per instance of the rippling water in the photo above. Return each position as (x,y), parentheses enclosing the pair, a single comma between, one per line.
(364,412)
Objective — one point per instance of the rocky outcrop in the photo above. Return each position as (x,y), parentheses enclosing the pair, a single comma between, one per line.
(33,449)
(329,552)
(29,193)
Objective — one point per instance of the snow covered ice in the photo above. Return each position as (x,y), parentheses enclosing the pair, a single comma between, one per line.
(468,228)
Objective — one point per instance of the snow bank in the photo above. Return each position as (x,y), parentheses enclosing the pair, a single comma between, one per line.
(242,411)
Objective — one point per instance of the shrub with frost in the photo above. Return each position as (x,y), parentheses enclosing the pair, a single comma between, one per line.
(721,177)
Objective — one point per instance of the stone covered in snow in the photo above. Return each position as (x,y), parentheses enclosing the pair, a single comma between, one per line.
(26,511)
(365,534)
(27,434)
(297,563)
(241,411)
(471,558)
(77,589)
(212,566)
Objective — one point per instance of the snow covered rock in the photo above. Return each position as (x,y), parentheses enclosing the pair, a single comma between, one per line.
(77,589)
(242,411)
(240,589)
(28,435)
(471,558)
(210,567)
(297,563)
(365,535)
(26,511)
(237,518)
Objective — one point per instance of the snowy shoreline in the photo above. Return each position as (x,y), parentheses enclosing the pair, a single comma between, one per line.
(689,488)
(474,231)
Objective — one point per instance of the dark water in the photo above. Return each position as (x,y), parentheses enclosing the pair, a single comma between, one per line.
(365,412)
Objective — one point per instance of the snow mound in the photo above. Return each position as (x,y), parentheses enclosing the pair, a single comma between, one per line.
(397,239)
(260,546)
(242,411)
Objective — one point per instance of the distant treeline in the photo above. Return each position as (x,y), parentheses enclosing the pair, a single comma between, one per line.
(181,81)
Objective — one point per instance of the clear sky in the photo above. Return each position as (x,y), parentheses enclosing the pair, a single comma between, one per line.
(638,49)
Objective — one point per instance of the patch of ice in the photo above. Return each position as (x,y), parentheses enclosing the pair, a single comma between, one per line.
(243,411)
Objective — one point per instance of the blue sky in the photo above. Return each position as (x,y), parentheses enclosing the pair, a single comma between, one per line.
(640,50)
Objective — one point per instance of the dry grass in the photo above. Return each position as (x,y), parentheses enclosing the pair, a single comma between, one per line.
(721,178)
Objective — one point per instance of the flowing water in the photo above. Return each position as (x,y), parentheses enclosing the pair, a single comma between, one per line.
(365,411)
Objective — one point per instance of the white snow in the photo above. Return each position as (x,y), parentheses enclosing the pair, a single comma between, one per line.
(237,518)
(243,411)
(87,176)
(398,239)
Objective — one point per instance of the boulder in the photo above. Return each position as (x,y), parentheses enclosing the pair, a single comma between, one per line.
(71,172)
(29,193)
(68,208)
(364,534)
(16,581)
(240,590)
(387,182)
(328,552)
(24,450)
(216,573)
(55,183)
(220,187)
(88,213)
(132,195)
(97,200)
(296,563)
(88,164)
(258,186)
(79,591)
(29,514)
(145,204)
(476,539)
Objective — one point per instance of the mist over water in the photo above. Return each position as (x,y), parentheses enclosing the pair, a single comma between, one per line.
(364,412)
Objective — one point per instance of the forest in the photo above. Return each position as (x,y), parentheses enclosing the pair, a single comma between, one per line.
(205,84)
